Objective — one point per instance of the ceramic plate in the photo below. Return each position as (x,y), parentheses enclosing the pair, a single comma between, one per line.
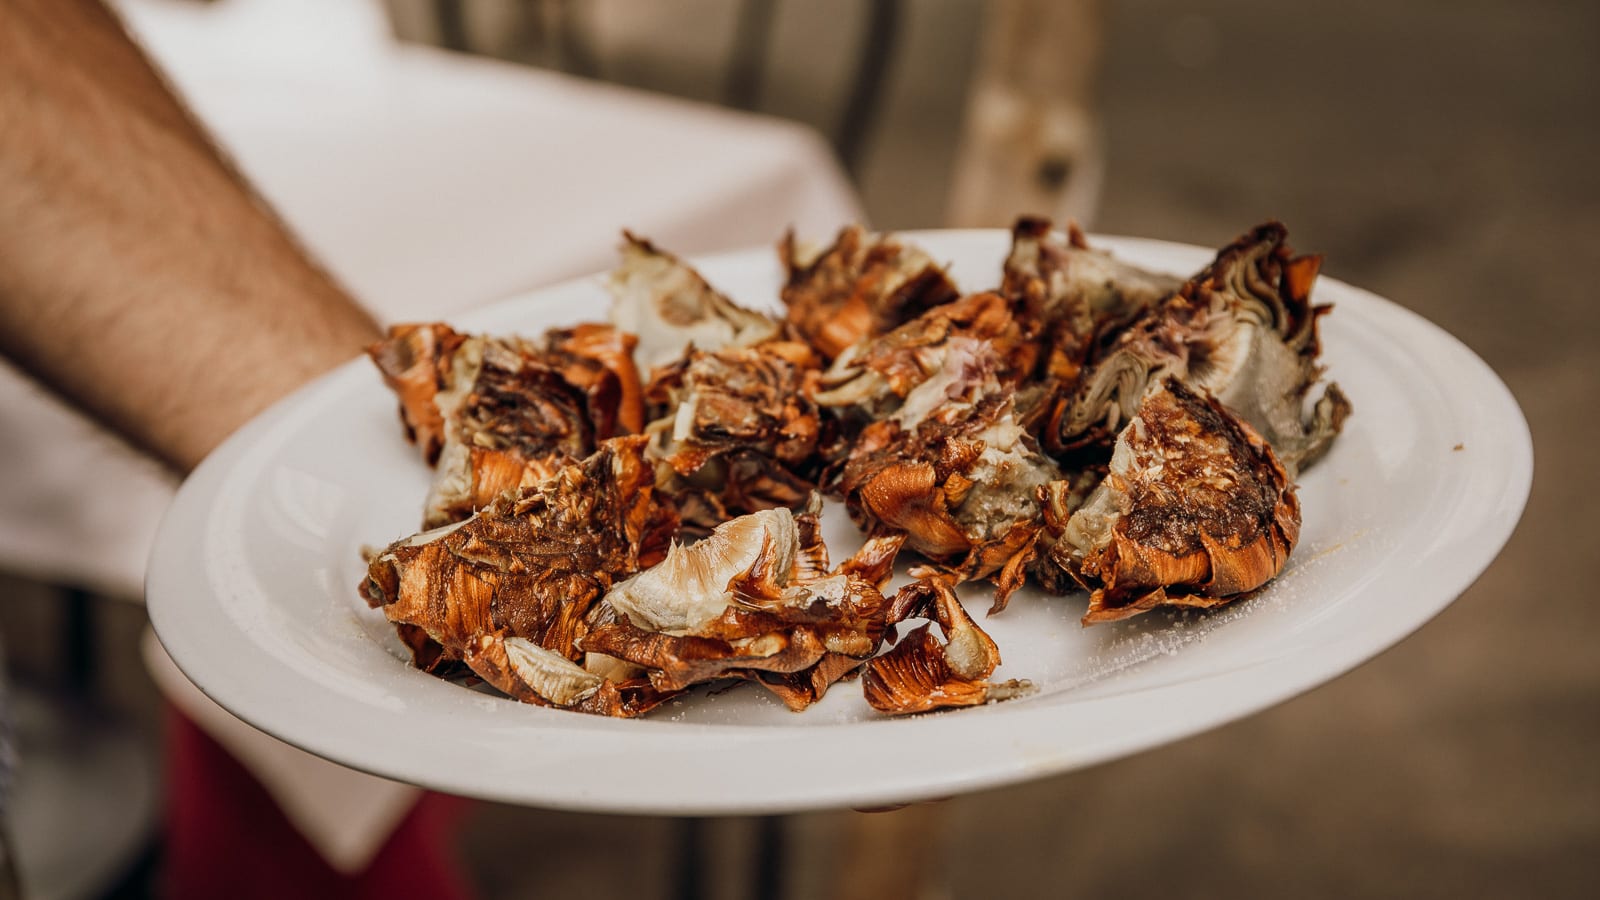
(252,588)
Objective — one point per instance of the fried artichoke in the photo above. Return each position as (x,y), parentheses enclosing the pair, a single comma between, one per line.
(961,484)
(669,307)
(945,460)
(1059,279)
(508,590)
(417,363)
(938,356)
(920,673)
(1243,330)
(863,285)
(1196,511)
(736,430)
(1066,296)
(756,600)
(494,414)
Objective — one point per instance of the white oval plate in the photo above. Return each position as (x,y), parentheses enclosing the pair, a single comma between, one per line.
(252,588)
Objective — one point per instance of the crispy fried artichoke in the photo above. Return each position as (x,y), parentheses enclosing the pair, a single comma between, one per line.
(920,673)
(1243,330)
(755,600)
(1066,295)
(508,590)
(736,430)
(493,414)
(417,363)
(933,358)
(863,285)
(1055,279)
(598,360)
(670,307)
(1196,511)
(961,484)
(945,460)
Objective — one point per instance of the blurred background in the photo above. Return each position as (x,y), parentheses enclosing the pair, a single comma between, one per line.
(1441,153)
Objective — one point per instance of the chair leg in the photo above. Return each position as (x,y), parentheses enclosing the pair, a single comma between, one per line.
(872,69)
(891,855)
(1030,142)
(770,857)
(691,858)
(10,879)
(79,641)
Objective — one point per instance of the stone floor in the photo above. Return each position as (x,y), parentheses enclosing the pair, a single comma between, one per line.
(1442,154)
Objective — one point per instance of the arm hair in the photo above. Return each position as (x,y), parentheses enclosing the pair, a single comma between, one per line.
(139,276)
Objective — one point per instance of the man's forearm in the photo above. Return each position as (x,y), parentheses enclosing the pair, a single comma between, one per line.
(138,275)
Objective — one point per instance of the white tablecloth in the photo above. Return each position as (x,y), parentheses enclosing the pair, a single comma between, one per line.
(427,183)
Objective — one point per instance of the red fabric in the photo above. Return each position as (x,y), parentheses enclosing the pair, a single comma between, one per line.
(225,837)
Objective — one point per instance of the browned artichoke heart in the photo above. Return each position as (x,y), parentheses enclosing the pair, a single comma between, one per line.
(755,600)
(947,463)
(494,414)
(670,307)
(1065,294)
(736,430)
(920,673)
(509,590)
(1058,277)
(928,360)
(1196,511)
(962,486)
(1242,330)
(863,285)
